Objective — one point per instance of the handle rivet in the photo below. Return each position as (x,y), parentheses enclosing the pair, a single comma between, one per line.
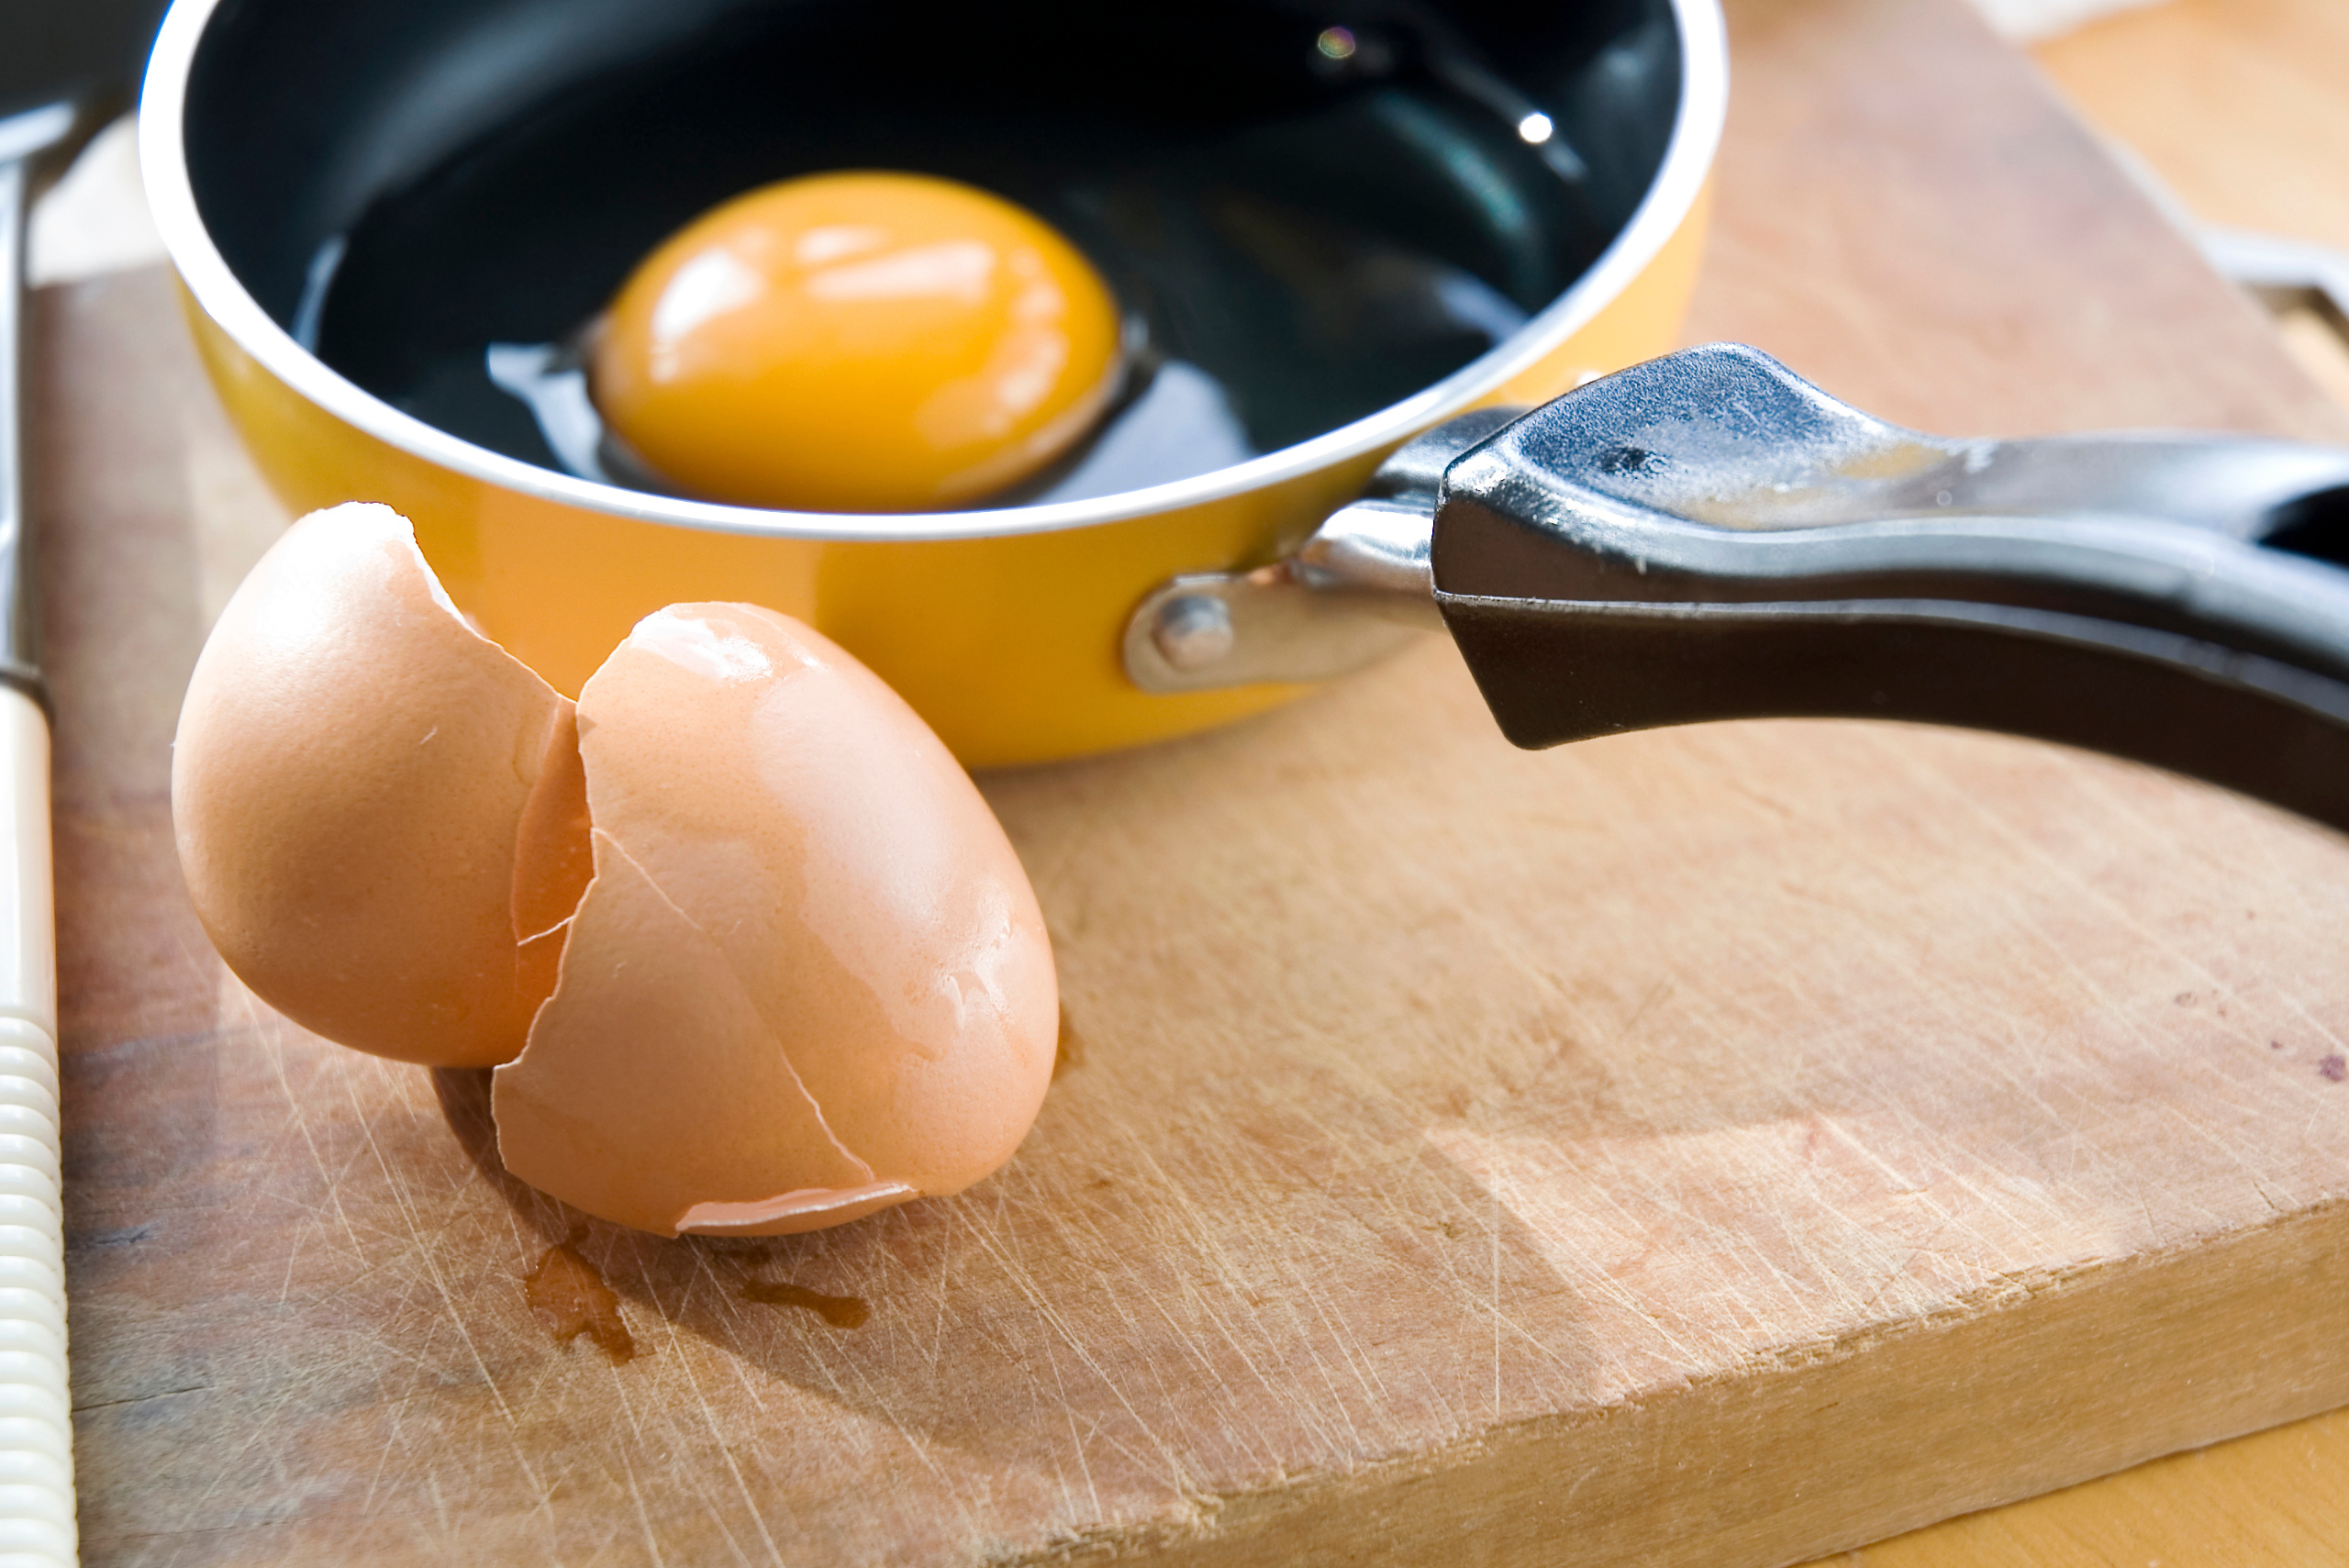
(1193,630)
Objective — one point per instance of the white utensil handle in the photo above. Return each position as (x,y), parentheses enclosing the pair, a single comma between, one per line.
(37,1522)
(37,1518)
(28,910)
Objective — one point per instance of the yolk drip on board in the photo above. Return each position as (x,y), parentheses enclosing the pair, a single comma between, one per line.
(858,342)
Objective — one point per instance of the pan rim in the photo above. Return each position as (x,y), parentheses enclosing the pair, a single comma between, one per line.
(1670,197)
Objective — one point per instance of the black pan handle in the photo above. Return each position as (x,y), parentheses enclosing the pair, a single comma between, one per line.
(1707,535)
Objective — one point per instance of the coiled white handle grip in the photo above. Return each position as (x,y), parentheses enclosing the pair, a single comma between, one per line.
(36,1525)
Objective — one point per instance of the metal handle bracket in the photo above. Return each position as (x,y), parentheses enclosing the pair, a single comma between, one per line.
(1359,588)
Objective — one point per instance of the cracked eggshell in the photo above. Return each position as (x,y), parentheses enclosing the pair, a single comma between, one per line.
(809,978)
(380,813)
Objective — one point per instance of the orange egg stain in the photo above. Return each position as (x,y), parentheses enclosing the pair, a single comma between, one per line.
(570,1298)
(839,1311)
(858,342)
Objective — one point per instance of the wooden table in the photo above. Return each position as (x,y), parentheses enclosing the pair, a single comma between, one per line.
(2236,107)
(1719,1146)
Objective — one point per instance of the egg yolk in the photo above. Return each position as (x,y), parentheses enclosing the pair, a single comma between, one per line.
(857,342)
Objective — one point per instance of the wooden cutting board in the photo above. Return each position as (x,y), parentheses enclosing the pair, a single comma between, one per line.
(1711,1147)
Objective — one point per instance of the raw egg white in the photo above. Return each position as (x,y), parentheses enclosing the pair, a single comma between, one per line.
(808,979)
(857,342)
(380,813)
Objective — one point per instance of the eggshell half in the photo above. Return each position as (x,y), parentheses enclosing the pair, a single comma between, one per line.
(810,977)
(380,814)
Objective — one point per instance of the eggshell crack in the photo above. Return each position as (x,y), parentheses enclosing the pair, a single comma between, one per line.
(767,959)
(810,977)
(650,1016)
(374,805)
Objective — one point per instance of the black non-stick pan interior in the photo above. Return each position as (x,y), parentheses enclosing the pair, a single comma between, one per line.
(1322,209)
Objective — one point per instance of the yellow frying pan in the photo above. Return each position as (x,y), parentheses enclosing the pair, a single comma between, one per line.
(366,200)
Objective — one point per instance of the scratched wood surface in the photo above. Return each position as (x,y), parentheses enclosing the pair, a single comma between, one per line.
(2237,107)
(1723,1146)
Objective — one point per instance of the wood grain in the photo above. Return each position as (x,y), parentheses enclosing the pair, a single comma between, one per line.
(2236,152)
(2238,106)
(1909,216)
(2271,1500)
(1720,1145)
